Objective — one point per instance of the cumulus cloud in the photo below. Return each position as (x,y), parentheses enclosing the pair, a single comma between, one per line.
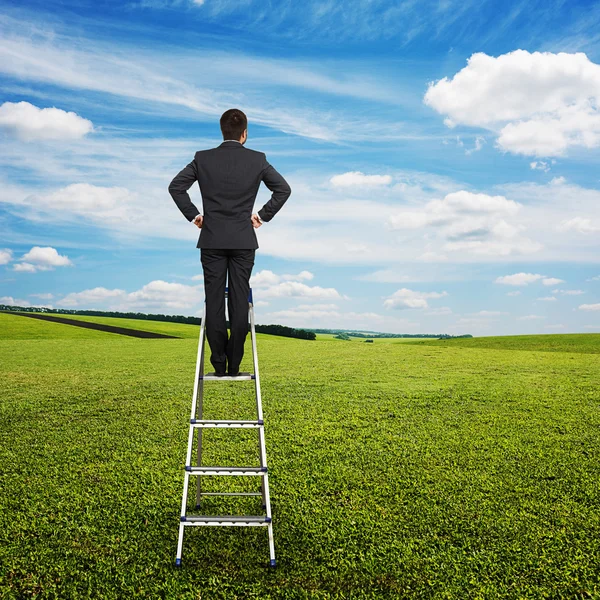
(526,278)
(552,104)
(157,294)
(106,205)
(591,307)
(267,278)
(579,224)
(41,259)
(547,299)
(531,318)
(271,285)
(30,123)
(5,256)
(470,221)
(407,298)
(10,301)
(358,178)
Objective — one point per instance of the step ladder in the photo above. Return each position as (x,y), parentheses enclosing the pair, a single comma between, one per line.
(198,424)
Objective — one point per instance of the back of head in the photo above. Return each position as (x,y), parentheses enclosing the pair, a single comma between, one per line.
(233,122)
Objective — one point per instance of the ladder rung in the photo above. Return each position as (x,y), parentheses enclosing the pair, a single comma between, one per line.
(224,521)
(231,493)
(226,470)
(226,423)
(209,377)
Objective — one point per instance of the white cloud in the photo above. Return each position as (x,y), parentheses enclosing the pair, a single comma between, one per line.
(357,178)
(407,298)
(267,278)
(5,256)
(25,267)
(45,296)
(30,123)
(592,307)
(479,141)
(531,318)
(90,298)
(547,299)
(474,222)
(290,289)
(552,104)
(579,224)
(515,293)
(156,295)
(568,292)
(105,205)
(552,280)
(540,165)
(272,285)
(41,259)
(10,301)
(489,313)
(519,278)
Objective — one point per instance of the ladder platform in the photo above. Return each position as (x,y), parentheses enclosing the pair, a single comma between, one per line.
(211,377)
(226,423)
(228,520)
(192,470)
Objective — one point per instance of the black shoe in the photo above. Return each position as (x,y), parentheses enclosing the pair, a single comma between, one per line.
(220,373)
(238,374)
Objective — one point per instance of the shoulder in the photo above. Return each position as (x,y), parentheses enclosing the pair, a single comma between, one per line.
(256,153)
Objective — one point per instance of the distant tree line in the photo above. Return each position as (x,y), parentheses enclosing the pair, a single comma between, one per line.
(281,330)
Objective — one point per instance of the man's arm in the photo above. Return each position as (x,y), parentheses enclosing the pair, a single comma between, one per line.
(178,189)
(281,192)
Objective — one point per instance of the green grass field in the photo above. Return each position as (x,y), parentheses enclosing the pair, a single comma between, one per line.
(440,469)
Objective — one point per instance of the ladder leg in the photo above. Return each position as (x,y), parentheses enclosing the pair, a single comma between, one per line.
(179,545)
(188,457)
(199,413)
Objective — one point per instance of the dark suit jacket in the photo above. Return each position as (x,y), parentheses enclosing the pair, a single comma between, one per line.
(229,177)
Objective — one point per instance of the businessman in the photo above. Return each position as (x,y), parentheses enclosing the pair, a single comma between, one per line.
(229,177)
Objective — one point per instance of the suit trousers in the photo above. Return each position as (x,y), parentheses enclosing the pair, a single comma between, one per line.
(235,265)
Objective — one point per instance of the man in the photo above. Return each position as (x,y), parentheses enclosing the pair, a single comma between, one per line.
(229,177)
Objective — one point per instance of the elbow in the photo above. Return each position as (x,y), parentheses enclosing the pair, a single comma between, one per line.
(287,191)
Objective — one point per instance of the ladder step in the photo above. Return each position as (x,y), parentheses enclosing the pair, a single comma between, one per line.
(211,377)
(224,521)
(226,470)
(230,493)
(226,423)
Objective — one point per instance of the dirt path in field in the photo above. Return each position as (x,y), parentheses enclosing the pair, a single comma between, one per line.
(99,326)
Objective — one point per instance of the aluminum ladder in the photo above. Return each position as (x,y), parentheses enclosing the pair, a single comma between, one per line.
(197,424)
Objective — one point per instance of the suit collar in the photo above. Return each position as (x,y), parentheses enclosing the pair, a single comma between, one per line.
(230,144)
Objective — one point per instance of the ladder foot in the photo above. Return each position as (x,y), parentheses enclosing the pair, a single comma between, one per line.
(272,563)
(198,506)
(177,562)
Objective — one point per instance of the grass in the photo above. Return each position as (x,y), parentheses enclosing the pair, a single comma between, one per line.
(565,342)
(429,470)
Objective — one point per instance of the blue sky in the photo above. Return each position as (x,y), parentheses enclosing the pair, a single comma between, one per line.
(442,157)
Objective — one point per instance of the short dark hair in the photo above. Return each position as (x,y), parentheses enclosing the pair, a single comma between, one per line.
(233,122)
